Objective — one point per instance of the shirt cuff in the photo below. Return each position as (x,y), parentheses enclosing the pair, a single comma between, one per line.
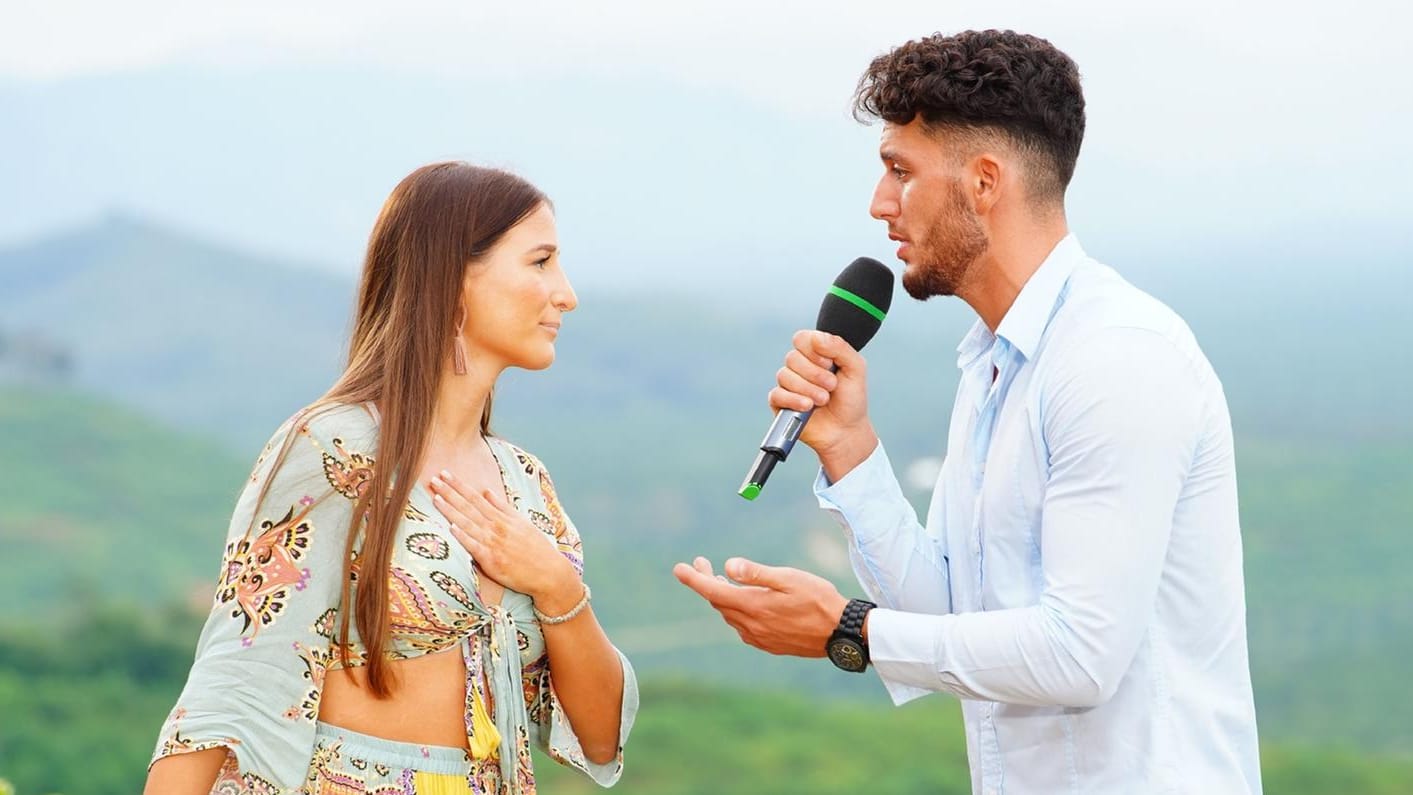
(903,650)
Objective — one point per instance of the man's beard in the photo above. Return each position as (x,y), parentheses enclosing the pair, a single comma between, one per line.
(955,241)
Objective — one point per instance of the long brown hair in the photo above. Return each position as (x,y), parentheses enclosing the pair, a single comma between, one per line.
(438,221)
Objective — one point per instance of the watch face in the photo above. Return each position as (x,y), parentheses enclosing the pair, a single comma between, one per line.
(847,654)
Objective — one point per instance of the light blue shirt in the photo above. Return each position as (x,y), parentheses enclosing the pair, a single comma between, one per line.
(1078,583)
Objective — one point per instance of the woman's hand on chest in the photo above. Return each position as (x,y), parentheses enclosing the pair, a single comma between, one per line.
(504,544)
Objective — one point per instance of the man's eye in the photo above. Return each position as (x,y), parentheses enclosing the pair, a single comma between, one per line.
(898,172)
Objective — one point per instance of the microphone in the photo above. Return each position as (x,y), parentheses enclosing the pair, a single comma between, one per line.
(854,309)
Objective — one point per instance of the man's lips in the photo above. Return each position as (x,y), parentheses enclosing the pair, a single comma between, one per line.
(903,243)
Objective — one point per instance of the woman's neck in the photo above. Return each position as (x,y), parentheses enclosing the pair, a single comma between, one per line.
(461,401)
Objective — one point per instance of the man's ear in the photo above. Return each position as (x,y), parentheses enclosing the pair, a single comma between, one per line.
(985,180)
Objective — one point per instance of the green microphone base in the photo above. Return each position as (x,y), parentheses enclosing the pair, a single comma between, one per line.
(760,472)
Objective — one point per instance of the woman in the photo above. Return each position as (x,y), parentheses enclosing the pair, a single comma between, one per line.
(410,626)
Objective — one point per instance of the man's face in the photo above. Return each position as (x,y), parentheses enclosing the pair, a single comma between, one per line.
(922,199)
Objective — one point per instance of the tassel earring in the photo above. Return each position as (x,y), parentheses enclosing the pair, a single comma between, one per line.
(458,346)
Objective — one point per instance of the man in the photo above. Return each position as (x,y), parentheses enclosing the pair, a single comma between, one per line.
(1078,583)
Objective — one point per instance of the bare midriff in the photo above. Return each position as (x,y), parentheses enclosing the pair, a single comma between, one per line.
(427,705)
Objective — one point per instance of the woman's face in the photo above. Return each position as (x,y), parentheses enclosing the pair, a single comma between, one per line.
(516,296)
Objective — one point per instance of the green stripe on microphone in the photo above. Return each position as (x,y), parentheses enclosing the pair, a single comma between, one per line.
(858,301)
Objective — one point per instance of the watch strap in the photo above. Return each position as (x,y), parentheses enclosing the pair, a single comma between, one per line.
(851,623)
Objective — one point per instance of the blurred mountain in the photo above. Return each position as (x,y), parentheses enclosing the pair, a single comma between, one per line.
(230,343)
(201,336)
(26,357)
(655,182)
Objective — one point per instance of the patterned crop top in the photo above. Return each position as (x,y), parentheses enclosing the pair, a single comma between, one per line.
(272,633)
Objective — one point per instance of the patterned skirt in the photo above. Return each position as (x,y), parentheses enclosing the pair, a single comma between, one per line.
(348,763)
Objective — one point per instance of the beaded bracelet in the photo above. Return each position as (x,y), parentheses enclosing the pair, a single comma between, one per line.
(573,611)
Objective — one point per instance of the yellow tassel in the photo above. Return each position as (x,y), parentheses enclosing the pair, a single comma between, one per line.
(485,737)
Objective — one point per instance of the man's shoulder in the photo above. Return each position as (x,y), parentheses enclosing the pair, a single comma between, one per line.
(1097,297)
(1101,309)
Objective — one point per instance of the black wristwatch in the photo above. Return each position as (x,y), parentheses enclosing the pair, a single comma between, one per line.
(847,648)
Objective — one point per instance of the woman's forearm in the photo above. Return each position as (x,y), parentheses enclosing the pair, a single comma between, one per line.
(588,678)
(192,773)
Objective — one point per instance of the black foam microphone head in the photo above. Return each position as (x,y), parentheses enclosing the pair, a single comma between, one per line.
(857,302)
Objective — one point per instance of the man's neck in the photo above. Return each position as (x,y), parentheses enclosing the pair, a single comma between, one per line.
(1009,262)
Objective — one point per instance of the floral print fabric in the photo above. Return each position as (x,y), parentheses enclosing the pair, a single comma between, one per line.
(270,639)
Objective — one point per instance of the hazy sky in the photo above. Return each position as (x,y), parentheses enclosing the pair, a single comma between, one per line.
(1233,122)
(1289,49)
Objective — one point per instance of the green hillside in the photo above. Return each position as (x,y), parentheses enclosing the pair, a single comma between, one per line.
(100,502)
(1328,552)
(65,688)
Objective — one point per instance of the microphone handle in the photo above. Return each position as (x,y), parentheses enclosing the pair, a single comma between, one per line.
(776,447)
(784,432)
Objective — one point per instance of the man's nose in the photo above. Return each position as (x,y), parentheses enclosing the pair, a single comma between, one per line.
(885,201)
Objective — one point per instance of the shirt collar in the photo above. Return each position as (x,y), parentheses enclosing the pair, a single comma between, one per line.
(1025,322)
(977,341)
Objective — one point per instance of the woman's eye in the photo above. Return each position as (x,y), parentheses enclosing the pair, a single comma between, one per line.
(541,263)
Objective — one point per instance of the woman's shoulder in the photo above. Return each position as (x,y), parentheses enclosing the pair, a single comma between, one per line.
(326,423)
(315,432)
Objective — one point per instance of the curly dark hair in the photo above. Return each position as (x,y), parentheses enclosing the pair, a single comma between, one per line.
(1010,83)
